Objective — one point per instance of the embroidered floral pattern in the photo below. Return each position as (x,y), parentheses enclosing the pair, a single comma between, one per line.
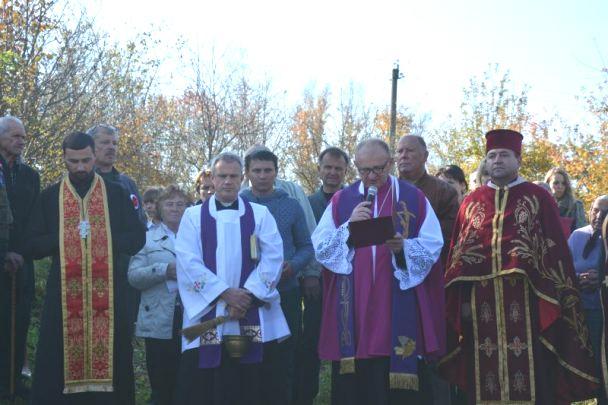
(485,313)
(532,247)
(515,314)
(419,263)
(334,253)
(197,286)
(487,347)
(466,249)
(519,382)
(517,346)
(490,383)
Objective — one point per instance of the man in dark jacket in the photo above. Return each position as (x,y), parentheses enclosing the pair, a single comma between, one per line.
(22,187)
(333,166)
(106,152)
(84,223)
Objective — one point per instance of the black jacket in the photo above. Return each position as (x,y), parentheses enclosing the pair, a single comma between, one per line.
(22,187)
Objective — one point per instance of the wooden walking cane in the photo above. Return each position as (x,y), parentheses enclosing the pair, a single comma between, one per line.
(13,336)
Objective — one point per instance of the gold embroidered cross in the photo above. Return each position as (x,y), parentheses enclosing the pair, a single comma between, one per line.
(404,218)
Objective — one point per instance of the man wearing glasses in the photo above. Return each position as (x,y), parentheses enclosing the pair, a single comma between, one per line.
(372,296)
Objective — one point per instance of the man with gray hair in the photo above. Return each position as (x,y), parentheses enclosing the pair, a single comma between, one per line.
(22,186)
(106,149)
(229,260)
(106,152)
(377,292)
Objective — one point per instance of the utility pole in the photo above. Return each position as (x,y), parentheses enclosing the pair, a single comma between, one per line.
(396,76)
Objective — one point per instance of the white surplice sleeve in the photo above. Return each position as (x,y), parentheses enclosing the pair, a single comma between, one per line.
(421,252)
(330,245)
(198,286)
(263,280)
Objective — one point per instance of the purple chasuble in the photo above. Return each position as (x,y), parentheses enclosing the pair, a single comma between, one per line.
(210,350)
(369,299)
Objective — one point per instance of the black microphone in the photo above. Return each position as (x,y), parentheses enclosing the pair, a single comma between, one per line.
(371,193)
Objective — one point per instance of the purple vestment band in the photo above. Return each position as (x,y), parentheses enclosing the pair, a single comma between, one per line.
(406,335)
(210,349)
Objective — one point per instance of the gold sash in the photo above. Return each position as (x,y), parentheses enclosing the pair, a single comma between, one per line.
(87,293)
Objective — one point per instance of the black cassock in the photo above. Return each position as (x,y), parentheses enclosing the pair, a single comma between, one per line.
(128,237)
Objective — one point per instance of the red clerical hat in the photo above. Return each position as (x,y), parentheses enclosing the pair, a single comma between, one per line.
(504,139)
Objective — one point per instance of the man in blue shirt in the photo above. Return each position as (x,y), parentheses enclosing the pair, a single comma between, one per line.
(586,247)
(262,168)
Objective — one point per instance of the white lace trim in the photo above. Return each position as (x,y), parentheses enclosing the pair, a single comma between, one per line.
(419,262)
(334,253)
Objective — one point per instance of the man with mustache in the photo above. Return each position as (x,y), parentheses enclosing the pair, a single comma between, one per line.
(84,223)
(106,152)
(516,331)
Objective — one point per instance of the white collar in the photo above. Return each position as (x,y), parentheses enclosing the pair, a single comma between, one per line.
(213,209)
(512,184)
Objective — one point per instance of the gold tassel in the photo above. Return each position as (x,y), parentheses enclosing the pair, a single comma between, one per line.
(347,365)
(403,381)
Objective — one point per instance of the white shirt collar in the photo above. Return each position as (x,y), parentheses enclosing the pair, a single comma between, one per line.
(512,184)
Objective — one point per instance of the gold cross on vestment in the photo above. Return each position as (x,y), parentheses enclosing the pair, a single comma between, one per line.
(404,218)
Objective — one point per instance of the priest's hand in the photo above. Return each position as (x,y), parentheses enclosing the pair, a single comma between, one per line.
(311,287)
(361,212)
(286,271)
(171,273)
(395,244)
(238,298)
(235,313)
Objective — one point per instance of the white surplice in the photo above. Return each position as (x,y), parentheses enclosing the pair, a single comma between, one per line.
(199,287)
(421,252)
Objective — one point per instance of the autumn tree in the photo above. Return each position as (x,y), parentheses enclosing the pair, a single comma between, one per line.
(584,152)
(58,76)
(222,109)
(406,124)
(488,102)
(309,137)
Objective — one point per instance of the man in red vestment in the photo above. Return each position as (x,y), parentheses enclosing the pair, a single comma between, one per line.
(516,332)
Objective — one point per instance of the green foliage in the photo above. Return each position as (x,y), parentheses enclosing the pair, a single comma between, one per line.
(488,102)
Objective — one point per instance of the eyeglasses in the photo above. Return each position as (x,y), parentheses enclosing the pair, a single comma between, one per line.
(377,170)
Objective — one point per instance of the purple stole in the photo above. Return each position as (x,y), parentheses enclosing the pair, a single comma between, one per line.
(210,349)
(406,338)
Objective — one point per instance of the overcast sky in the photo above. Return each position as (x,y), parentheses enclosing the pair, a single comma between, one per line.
(556,47)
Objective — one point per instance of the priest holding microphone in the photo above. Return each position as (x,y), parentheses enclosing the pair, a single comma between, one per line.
(376,319)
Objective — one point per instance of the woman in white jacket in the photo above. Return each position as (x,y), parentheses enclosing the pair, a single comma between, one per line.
(152,271)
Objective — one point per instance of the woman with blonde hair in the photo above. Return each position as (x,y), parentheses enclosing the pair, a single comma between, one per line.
(569,207)
(203,186)
(153,272)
